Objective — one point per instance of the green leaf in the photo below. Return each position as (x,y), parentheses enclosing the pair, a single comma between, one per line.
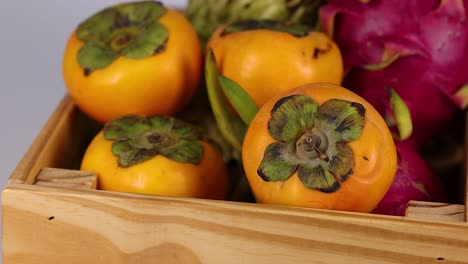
(342,164)
(244,105)
(93,57)
(128,155)
(318,178)
(125,127)
(184,151)
(345,118)
(275,165)
(185,131)
(137,139)
(161,123)
(151,41)
(291,116)
(144,11)
(130,29)
(97,27)
(174,126)
(231,126)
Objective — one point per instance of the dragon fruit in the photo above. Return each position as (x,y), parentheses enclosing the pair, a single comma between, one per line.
(414,180)
(419,48)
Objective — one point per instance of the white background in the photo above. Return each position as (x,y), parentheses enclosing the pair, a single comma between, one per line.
(32,39)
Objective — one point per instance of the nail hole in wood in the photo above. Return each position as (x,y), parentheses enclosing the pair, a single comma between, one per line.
(51,218)
(440,259)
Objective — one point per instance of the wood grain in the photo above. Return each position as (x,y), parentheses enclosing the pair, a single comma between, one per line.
(436,211)
(46,224)
(83,226)
(66,178)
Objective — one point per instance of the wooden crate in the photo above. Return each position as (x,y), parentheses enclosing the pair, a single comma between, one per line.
(53,214)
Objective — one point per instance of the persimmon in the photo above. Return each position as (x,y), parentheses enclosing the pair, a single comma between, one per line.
(157,155)
(322,146)
(265,57)
(132,58)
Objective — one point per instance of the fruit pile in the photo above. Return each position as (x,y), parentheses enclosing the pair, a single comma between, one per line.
(325,104)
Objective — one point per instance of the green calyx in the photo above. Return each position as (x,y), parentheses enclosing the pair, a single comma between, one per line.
(137,139)
(296,30)
(131,30)
(312,141)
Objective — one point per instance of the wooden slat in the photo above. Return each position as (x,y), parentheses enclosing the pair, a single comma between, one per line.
(66,178)
(79,226)
(435,211)
(85,186)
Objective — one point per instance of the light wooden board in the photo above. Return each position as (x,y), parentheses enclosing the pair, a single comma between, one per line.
(44,224)
(66,178)
(436,211)
(50,225)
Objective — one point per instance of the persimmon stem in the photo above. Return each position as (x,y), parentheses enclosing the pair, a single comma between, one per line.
(321,155)
(122,38)
(308,146)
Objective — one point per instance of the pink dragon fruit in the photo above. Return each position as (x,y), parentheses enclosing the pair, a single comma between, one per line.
(414,180)
(418,48)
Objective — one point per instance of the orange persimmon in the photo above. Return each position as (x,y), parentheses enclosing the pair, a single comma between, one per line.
(157,155)
(322,146)
(133,58)
(265,57)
